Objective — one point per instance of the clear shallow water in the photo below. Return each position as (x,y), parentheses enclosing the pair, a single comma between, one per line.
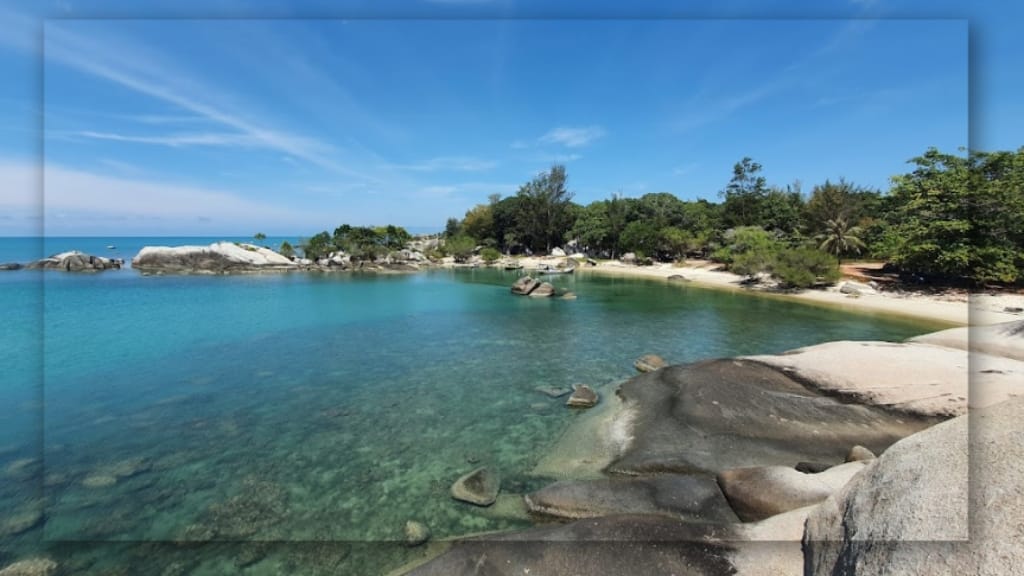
(323,407)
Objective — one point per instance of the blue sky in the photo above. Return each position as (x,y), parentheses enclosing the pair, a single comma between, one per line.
(297,123)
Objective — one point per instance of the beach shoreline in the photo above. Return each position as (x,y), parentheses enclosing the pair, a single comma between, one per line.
(951,308)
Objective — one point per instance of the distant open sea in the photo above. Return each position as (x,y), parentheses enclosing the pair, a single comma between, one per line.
(315,407)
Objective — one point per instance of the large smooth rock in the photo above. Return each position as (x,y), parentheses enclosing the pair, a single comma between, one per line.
(631,544)
(75,261)
(719,414)
(1004,340)
(583,396)
(623,544)
(649,363)
(759,493)
(911,512)
(525,285)
(912,377)
(557,252)
(217,258)
(478,487)
(544,290)
(850,287)
(693,497)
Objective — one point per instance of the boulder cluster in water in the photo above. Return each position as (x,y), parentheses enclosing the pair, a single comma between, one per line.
(73,261)
(529,286)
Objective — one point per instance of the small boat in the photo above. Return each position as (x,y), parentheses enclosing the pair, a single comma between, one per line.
(545,269)
(111,247)
(514,266)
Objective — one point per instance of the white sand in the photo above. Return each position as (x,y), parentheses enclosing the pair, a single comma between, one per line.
(952,308)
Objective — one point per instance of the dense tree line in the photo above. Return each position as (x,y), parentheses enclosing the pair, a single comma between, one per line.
(952,218)
(361,242)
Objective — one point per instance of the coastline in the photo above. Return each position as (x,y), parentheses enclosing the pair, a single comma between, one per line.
(953,309)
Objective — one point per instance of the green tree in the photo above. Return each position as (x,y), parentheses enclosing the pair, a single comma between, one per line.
(490,255)
(259,236)
(318,246)
(840,238)
(744,194)
(752,250)
(547,209)
(592,228)
(479,223)
(460,247)
(640,237)
(286,249)
(452,228)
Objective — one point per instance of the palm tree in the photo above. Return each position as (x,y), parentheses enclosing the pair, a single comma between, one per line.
(840,238)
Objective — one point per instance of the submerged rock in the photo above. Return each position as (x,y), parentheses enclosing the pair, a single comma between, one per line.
(416,533)
(31,567)
(583,396)
(762,492)
(19,522)
(75,261)
(553,391)
(693,497)
(720,414)
(217,258)
(649,363)
(478,487)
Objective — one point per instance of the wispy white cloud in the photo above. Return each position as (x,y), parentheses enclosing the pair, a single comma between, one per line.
(519,145)
(71,193)
(448,164)
(572,137)
(133,68)
(177,140)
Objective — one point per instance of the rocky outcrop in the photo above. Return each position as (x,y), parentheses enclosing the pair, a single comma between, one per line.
(10,266)
(75,261)
(583,396)
(544,290)
(217,258)
(478,487)
(558,252)
(910,511)
(649,363)
(692,497)
(525,285)
(719,414)
(1005,340)
(631,544)
(761,492)
(913,378)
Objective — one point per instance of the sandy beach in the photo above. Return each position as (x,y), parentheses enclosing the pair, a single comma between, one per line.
(952,307)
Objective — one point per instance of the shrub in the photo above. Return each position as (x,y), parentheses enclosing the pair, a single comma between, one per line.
(286,249)
(461,247)
(490,255)
(804,267)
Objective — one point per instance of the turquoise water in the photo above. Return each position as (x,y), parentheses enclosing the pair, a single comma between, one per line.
(312,407)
